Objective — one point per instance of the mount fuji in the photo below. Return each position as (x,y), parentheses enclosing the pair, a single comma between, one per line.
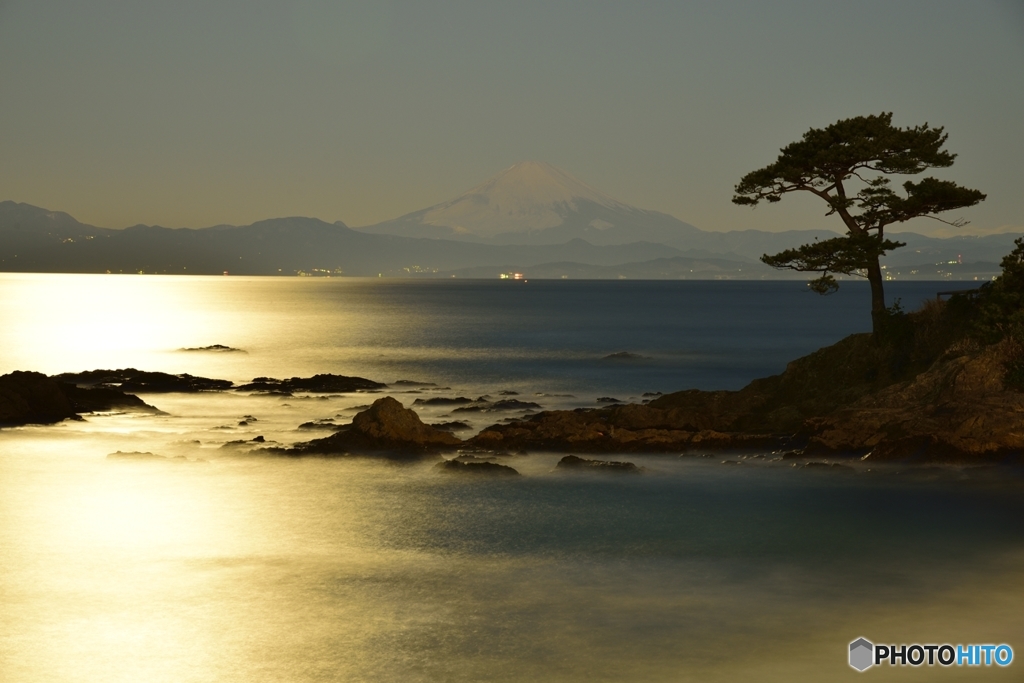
(534,202)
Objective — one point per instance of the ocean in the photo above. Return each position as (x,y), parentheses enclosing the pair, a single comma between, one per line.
(209,565)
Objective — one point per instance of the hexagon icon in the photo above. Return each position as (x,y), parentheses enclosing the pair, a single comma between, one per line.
(861,654)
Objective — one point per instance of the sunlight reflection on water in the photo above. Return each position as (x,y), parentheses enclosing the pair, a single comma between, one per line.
(213,566)
(551,336)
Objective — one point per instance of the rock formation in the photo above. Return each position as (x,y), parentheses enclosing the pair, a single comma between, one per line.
(317,384)
(491,468)
(34,398)
(860,397)
(386,427)
(957,409)
(132,380)
(574,462)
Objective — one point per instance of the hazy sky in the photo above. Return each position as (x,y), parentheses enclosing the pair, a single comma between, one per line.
(193,113)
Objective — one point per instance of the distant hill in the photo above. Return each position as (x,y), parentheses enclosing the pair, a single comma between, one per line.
(34,239)
(27,229)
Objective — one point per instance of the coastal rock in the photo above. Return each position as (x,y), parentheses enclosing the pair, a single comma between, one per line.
(32,398)
(317,384)
(956,410)
(385,427)
(855,398)
(444,401)
(146,456)
(135,456)
(132,380)
(454,426)
(622,429)
(215,348)
(102,400)
(324,424)
(574,462)
(498,406)
(489,468)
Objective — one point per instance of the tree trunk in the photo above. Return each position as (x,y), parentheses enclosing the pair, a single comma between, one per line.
(878,312)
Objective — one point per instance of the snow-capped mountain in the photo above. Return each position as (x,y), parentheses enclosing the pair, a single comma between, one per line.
(536,203)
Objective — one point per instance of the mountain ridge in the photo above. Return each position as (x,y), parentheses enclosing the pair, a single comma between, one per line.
(34,239)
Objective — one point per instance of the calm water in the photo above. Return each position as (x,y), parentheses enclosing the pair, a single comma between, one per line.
(544,335)
(227,568)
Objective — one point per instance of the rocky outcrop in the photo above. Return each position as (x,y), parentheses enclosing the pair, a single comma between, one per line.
(509,404)
(576,463)
(102,400)
(453,426)
(623,429)
(146,456)
(854,398)
(34,398)
(317,384)
(137,456)
(445,401)
(386,427)
(958,409)
(132,380)
(215,348)
(489,468)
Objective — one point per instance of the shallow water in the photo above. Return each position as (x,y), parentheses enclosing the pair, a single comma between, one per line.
(217,566)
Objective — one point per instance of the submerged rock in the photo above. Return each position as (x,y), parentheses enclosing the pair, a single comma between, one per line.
(146,456)
(245,443)
(454,426)
(491,468)
(386,427)
(134,455)
(498,406)
(317,384)
(444,401)
(326,424)
(573,462)
(132,380)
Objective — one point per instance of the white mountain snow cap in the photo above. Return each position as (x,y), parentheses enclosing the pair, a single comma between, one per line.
(530,195)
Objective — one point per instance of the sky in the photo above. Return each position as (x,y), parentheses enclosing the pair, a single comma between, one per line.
(195,113)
